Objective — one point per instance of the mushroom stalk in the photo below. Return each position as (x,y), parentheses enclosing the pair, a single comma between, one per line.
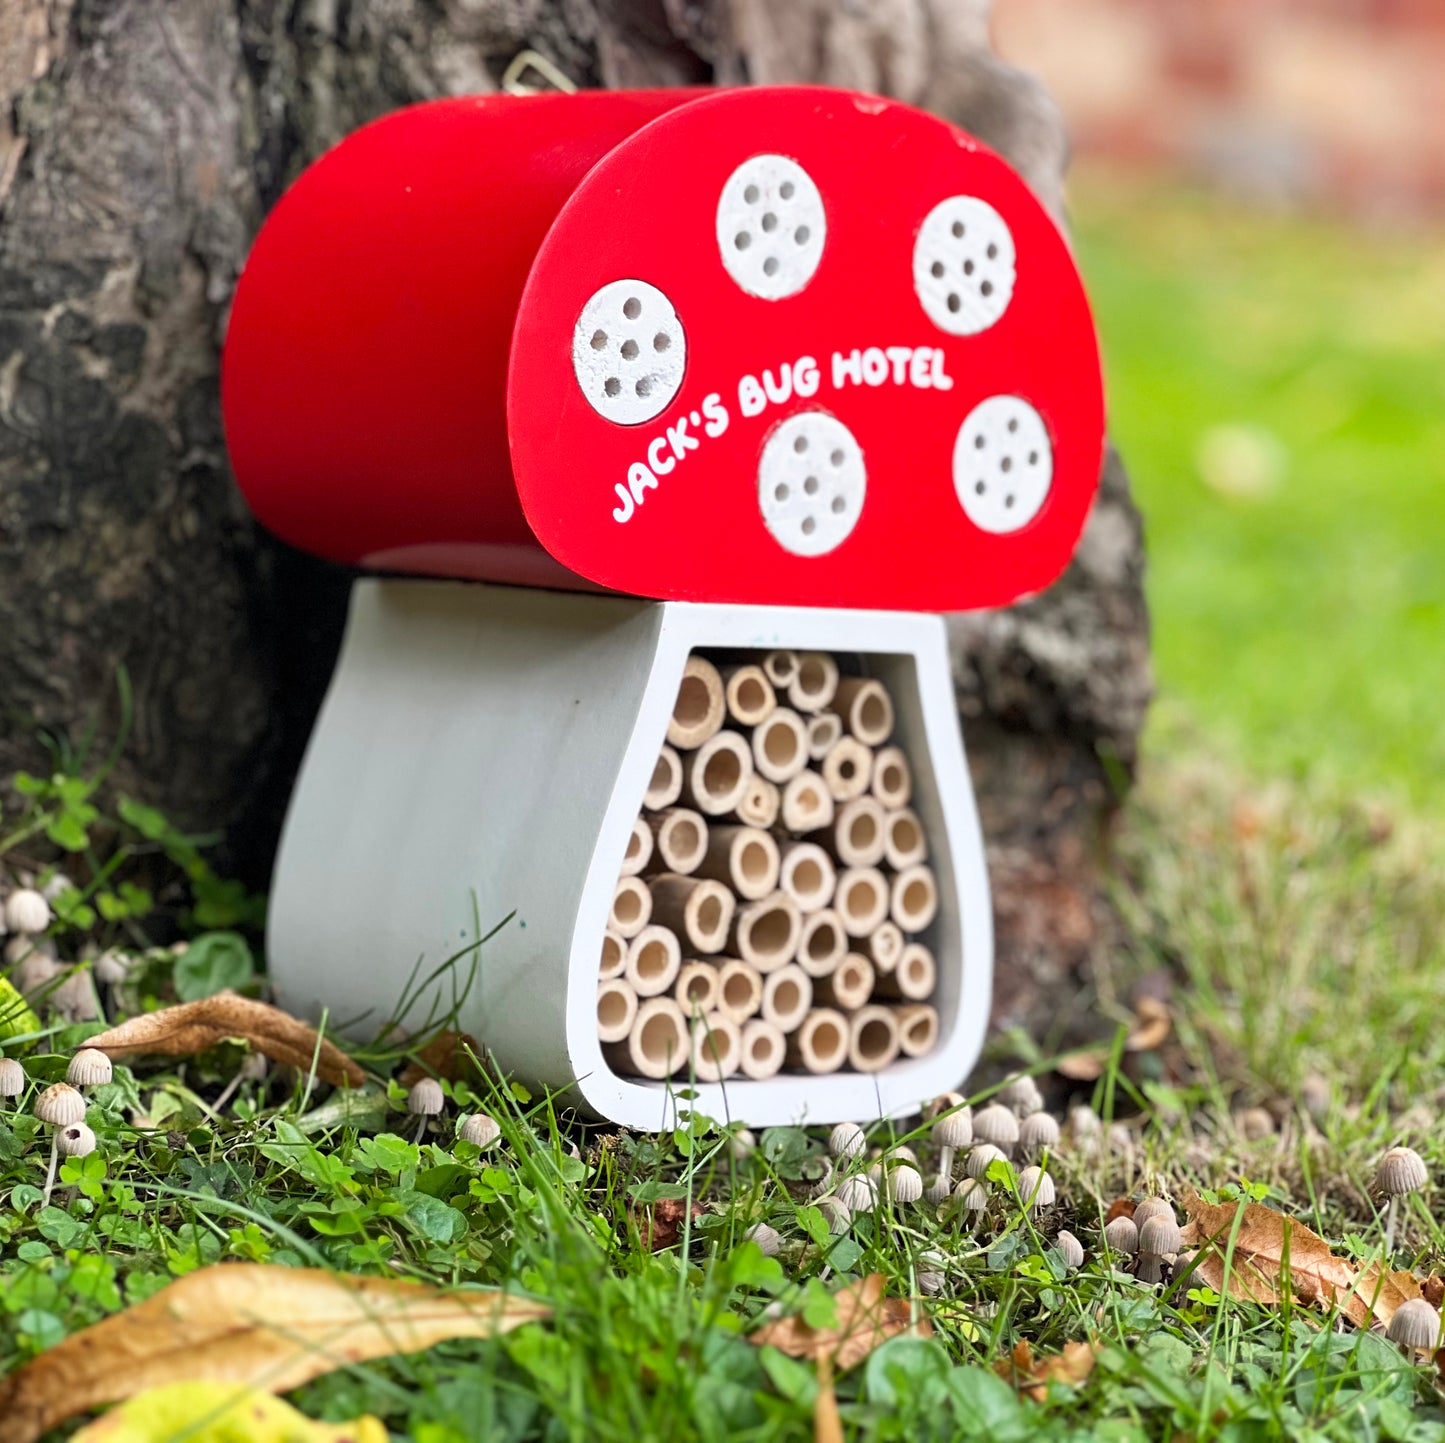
(50,1171)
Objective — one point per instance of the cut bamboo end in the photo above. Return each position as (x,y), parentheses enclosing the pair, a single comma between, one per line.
(816,683)
(698,712)
(745,858)
(873,1040)
(904,841)
(860,833)
(631,907)
(914,903)
(807,804)
(717,1047)
(848,986)
(824,731)
(639,848)
(787,996)
(739,990)
(760,803)
(892,779)
(695,908)
(614,955)
(657,1045)
(764,1050)
(653,962)
(616,1010)
(679,837)
(917,1028)
(861,900)
(765,933)
(666,784)
(885,946)
(807,875)
(715,776)
(915,976)
(847,769)
(695,990)
(780,667)
(866,709)
(823,943)
(749,694)
(780,745)
(820,1044)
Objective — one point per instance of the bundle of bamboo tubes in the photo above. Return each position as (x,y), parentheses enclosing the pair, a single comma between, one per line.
(775,896)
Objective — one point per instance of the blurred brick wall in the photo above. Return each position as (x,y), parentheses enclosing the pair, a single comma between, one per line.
(1333,101)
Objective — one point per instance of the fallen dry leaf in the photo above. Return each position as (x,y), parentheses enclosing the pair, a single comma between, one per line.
(192,1027)
(660,1224)
(1317,1277)
(1031,1376)
(1433,1290)
(449,1056)
(1153,1023)
(1121,1207)
(247,1323)
(865,1319)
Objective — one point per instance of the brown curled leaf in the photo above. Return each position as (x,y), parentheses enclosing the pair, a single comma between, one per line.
(864,1319)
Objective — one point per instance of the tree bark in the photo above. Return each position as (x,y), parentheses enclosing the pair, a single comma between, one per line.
(141,143)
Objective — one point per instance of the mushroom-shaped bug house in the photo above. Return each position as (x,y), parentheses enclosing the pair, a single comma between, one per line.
(704,405)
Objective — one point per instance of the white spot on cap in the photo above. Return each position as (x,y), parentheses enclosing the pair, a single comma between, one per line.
(1003,464)
(629,352)
(811,483)
(771,226)
(963,265)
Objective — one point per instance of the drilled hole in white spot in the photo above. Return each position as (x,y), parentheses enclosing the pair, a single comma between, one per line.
(964,237)
(776,196)
(629,352)
(1007,433)
(806,513)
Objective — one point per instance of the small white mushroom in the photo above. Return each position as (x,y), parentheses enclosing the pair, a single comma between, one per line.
(1314,1095)
(900,1152)
(938,1191)
(57,886)
(929,1270)
(1152,1207)
(905,1183)
(952,1131)
(27,912)
(60,1105)
(971,1195)
(1415,1326)
(426,1099)
(1085,1130)
(1038,1133)
(944,1102)
(1021,1094)
(1036,1189)
(836,1213)
(480,1130)
(981,1157)
(1401,1170)
(859,1194)
(1255,1124)
(1070,1249)
(1160,1235)
(1122,1236)
(768,1239)
(847,1140)
(997,1125)
(12,1077)
(824,1181)
(77,1140)
(742,1144)
(111,968)
(89,1068)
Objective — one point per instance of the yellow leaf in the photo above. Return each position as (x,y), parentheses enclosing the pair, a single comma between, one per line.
(248,1323)
(1031,1376)
(220,1413)
(865,1319)
(192,1027)
(16,1017)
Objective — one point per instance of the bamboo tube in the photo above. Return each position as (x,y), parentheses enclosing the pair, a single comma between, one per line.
(639,848)
(695,908)
(698,712)
(715,776)
(717,1047)
(866,709)
(820,1044)
(679,837)
(656,1047)
(807,875)
(816,682)
(861,900)
(764,1050)
(915,976)
(914,903)
(904,841)
(787,996)
(760,803)
(750,695)
(616,1010)
(917,1028)
(859,833)
(848,986)
(744,858)
(653,962)
(823,943)
(780,667)
(695,990)
(884,946)
(739,989)
(807,804)
(823,733)
(766,932)
(780,745)
(631,907)
(666,784)
(847,769)
(892,780)
(614,955)
(872,1038)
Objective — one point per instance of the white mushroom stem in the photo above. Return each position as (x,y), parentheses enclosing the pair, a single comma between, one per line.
(50,1171)
(1390,1226)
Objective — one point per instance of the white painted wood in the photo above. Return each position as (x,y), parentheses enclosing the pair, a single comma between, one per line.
(484,750)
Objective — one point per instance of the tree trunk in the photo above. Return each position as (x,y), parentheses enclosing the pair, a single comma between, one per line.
(141,143)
